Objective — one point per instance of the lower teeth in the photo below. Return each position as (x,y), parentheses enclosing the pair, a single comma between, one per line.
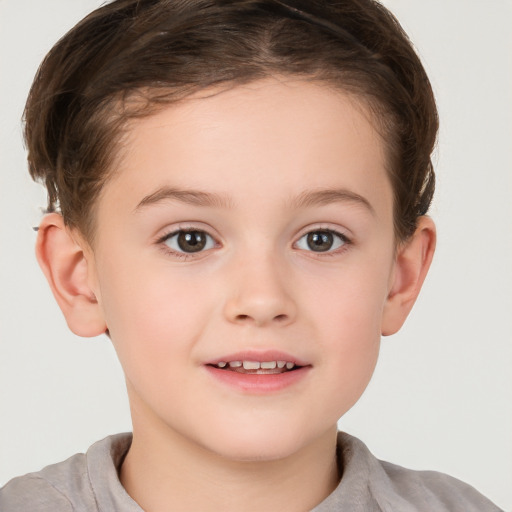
(261,371)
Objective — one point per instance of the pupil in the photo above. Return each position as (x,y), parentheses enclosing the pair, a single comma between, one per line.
(320,241)
(191,241)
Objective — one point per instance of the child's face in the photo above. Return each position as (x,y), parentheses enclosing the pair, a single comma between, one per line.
(263,177)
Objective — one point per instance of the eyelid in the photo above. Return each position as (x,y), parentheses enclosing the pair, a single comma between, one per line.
(177,233)
(185,226)
(337,230)
(161,240)
(346,238)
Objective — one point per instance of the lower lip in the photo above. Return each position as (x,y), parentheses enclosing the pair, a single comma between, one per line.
(258,383)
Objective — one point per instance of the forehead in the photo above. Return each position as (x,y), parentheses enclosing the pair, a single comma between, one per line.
(274,138)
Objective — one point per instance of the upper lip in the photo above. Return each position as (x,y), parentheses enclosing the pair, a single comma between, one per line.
(258,355)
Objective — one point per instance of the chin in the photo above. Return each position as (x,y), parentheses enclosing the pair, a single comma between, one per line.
(257,444)
(255,453)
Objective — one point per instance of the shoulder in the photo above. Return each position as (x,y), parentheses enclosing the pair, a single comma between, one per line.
(431,490)
(44,491)
(68,485)
(33,493)
(395,488)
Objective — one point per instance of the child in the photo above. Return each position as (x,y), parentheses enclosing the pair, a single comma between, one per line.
(237,197)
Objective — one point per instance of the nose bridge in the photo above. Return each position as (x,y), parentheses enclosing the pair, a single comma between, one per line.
(260,290)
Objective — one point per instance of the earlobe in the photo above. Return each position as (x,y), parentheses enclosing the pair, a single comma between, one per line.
(413,260)
(67,270)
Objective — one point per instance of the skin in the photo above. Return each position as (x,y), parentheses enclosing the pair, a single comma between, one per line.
(258,285)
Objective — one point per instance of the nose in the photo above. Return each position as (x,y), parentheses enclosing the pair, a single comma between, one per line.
(260,294)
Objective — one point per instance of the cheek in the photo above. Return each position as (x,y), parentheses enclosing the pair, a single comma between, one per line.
(347,312)
(153,318)
(349,300)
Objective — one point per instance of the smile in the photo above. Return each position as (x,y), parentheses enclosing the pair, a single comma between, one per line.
(258,372)
(257,367)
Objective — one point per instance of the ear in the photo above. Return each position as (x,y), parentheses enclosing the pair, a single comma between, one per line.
(64,263)
(412,262)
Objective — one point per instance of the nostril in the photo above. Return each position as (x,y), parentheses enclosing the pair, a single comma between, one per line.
(278,318)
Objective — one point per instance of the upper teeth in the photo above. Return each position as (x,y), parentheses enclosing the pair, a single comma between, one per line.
(257,365)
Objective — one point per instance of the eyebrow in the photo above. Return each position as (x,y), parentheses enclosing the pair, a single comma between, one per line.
(305,199)
(193,197)
(328,196)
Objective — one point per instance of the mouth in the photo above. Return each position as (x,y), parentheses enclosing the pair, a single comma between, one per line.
(259,372)
(249,367)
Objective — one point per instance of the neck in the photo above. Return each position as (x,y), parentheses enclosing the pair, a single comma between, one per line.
(164,471)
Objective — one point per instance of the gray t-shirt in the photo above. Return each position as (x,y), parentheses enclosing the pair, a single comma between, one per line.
(89,482)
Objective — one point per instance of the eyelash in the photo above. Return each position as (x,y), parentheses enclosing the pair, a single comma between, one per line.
(161,242)
(346,242)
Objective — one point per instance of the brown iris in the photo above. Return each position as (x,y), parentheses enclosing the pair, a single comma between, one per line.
(320,241)
(191,241)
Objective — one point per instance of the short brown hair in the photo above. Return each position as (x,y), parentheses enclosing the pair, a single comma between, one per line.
(160,51)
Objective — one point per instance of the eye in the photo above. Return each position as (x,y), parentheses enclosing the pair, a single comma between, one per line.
(189,241)
(322,240)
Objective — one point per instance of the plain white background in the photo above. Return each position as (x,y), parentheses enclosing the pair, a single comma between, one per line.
(441,397)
